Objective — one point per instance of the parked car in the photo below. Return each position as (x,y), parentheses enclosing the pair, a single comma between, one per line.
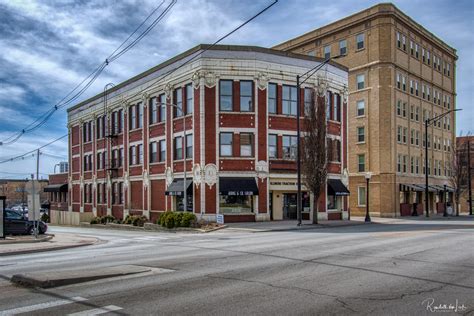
(17,224)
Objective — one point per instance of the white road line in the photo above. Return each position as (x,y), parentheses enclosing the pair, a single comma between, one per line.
(97,311)
(40,306)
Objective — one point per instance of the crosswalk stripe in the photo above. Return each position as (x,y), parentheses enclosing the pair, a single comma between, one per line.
(97,311)
(40,306)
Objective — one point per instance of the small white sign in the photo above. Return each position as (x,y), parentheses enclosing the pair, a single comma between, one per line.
(220,219)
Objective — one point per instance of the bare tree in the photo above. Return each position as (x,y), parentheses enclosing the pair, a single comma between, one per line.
(314,151)
(459,176)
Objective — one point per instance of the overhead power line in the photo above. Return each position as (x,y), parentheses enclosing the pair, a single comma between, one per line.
(32,151)
(74,94)
(158,80)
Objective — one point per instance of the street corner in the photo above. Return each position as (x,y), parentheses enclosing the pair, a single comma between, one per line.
(18,245)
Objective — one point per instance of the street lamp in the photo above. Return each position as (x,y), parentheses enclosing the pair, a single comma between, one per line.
(368,175)
(185,202)
(308,74)
(428,122)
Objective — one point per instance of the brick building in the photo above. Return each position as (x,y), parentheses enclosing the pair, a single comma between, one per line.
(399,74)
(239,126)
(15,191)
(462,148)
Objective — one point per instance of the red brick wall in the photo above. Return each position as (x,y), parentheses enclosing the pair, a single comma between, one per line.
(211,146)
(136,202)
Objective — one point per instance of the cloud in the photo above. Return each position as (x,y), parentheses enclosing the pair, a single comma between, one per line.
(49,47)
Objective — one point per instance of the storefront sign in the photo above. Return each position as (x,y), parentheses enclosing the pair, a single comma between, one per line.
(240,193)
(220,219)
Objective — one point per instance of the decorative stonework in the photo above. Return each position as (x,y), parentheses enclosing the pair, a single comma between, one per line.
(197,175)
(210,174)
(262,80)
(210,79)
(345,94)
(145,97)
(169,176)
(196,78)
(168,90)
(146,179)
(94,182)
(126,179)
(109,182)
(262,169)
(322,87)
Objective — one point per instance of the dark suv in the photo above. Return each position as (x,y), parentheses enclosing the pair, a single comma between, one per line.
(16,224)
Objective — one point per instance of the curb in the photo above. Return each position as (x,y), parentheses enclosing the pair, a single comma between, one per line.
(46,237)
(143,229)
(28,251)
(306,227)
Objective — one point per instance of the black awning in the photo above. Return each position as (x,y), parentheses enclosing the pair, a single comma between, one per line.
(410,187)
(238,186)
(336,187)
(56,188)
(176,188)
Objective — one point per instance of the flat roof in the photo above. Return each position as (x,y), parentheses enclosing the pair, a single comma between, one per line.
(207,47)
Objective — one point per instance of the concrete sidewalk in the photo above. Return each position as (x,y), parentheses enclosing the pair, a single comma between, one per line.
(27,244)
(288,225)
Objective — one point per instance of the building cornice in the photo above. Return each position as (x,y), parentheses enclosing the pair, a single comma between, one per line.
(379,10)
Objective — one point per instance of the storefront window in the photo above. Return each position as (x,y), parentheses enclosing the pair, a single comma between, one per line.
(236,204)
(333,202)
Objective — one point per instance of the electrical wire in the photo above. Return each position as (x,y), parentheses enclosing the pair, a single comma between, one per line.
(32,151)
(117,53)
(165,75)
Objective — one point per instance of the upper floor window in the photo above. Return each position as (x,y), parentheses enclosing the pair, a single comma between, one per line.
(360,41)
(117,122)
(136,116)
(399,42)
(272,98)
(272,146)
(246,96)
(226,144)
(154,156)
(162,105)
(327,52)
(289,100)
(423,55)
(178,99)
(162,147)
(189,98)
(416,51)
(178,148)
(189,146)
(246,145)
(154,110)
(360,81)
(404,83)
(360,134)
(342,47)
(225,98)
(136,155)
(428,60)
(87,132)
(360,108)
(404,43)
(289,144)
(361,163)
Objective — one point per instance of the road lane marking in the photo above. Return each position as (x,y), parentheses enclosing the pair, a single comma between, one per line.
(36,307)
(98,311)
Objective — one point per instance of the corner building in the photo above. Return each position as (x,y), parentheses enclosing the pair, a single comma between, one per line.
(236,141)
(399,74)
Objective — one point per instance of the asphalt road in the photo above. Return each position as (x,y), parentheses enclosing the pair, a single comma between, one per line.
(396,268)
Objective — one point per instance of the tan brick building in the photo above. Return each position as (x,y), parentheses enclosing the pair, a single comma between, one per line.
(399,74)
(462,148)
(14,190)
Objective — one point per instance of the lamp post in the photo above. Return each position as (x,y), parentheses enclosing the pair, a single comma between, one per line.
(445,212)
(185,202)
(307,74)
(368,175)
(428,122)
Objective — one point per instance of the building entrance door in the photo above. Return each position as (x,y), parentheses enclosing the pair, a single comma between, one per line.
(289,205)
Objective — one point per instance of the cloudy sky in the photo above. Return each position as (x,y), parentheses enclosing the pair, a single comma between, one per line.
(48,47)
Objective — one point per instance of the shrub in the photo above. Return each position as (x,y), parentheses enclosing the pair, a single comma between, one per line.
(162,219)
(128,220)
(139,220)
(95,220)
(45,218)
(188,219)
(178,216)
(169,221)
(107,219)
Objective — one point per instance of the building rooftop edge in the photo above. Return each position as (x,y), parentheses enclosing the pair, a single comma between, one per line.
(206,47)
(394,12)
